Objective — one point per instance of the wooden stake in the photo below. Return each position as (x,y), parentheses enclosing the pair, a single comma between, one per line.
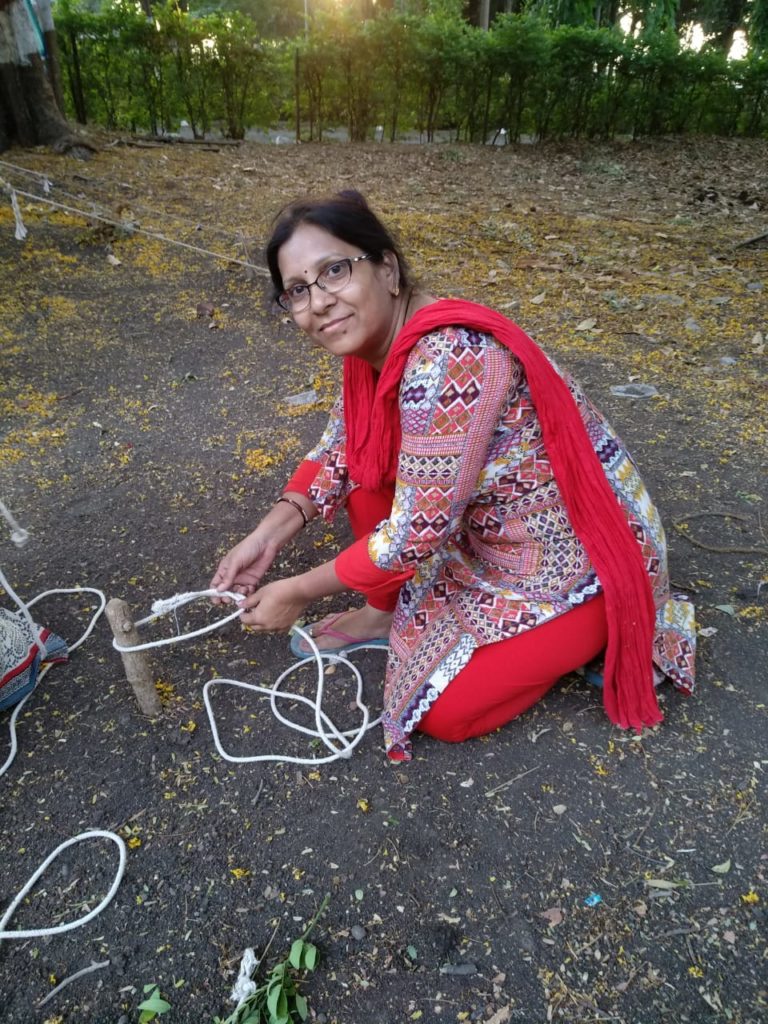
(138,669)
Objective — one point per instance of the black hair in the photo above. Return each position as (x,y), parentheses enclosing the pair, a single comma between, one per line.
(345,215)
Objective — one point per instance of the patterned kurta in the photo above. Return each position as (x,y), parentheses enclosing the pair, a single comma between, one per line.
(478,516)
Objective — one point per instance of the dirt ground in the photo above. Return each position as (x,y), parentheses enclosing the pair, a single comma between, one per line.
(558,869)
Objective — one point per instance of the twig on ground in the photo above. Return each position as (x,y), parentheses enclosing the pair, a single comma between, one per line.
(751,241)
(736,550)
(643,830)
(675,931)
(496,896)
(511,782)
(73,977)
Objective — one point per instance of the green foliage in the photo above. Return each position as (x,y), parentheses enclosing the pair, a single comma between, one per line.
(134,72)
(551,72)
(277,1000)
(153,1006)
(757,27)
(752,77)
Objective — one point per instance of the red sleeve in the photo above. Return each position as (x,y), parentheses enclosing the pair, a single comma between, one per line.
(356,571)
(303,478)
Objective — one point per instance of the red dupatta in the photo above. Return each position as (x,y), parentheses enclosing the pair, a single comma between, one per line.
(373,442)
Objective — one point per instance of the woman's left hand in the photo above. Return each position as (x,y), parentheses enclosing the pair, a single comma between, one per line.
(274,607)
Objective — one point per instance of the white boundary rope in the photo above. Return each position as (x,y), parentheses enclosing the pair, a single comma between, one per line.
(77,590)
(340,743)
(95,833)
(20,537)
(92,215)
(38,933)
(325,730)
(165,607)
(12,725)
(46,182)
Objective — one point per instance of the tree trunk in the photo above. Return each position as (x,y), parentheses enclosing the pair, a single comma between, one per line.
(29,115)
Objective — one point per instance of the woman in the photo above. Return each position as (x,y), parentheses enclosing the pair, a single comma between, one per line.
(482,486)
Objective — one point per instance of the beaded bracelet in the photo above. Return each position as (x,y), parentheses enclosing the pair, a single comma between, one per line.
(297,506)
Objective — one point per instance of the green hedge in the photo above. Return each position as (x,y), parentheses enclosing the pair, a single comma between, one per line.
(402,73)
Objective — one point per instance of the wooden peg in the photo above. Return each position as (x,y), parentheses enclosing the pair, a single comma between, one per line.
(138,668)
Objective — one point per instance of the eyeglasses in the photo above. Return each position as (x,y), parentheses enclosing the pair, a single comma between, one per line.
(335,277)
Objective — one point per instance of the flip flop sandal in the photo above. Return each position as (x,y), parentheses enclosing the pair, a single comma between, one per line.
(347,642)
(592,672)
(595,677)
(592,677)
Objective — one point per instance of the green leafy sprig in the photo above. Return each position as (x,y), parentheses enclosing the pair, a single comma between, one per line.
(278,1000)
(153,1006)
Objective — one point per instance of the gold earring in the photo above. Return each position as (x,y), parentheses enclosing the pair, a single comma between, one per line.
(396,292)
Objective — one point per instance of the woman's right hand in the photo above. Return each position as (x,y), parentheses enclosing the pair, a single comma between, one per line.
(242,569)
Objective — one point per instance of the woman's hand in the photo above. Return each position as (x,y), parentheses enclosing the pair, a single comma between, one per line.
(243,568)
(275,606)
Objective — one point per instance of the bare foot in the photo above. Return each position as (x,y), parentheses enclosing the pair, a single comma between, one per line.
(360,624)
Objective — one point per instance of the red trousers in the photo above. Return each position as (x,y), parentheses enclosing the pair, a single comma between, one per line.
(504,679)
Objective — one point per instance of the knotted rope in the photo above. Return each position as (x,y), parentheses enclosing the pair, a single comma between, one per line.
(340,742)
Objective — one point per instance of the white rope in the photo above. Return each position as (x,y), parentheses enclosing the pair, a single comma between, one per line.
(19,535)
(325,729)
(12,726)
(244,986)
(135,205)
(77,590)
(164,607)
(24,611)
(83,836)
(38,933)
(21,232)
(340,743)
(92,215)
(24,170)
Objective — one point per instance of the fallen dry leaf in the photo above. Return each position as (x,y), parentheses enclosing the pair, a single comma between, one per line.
(500,1017)
(554,916)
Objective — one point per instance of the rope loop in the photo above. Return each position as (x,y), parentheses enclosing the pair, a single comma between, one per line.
(340,743)
(38,933)
(164,607)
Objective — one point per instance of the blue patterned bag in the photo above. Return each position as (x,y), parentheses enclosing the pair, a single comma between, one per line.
(20,656)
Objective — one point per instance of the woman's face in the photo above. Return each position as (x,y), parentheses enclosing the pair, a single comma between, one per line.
(358,320)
